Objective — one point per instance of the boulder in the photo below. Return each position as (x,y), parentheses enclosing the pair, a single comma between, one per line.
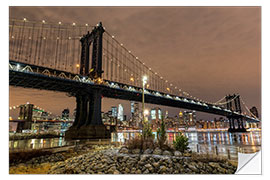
(148,151)
(123,150)
(167,153)
(157,151)
(136,151)
(148,166)
(162,169)
(177,153)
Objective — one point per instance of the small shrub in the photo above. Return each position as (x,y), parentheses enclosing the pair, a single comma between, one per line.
(147,131)
(161,135)
(144,141)
(134,143)
(181,143)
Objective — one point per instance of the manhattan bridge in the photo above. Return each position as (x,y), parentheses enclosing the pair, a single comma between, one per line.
(89,63)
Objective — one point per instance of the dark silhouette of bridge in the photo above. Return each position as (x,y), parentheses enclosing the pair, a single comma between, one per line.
(89,63)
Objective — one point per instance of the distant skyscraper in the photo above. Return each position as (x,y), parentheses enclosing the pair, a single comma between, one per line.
(181,118)
(120,115)
(65,114)
(156,115)
(114,111)
(254,111)
(190,117)
(135,114)
(166,114)
(132,107)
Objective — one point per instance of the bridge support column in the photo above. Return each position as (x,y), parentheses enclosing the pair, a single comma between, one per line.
(88,123)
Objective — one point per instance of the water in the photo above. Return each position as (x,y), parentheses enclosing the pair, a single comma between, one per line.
(202,142)
(211,142)
(28,144)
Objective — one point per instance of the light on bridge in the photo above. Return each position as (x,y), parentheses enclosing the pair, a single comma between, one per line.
(24,19)
(43,21)
(77,65)
(132,79)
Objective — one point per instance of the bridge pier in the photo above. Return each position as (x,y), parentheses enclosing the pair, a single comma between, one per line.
(88,123)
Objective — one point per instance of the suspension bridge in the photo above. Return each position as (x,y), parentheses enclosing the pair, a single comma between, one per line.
(89,63)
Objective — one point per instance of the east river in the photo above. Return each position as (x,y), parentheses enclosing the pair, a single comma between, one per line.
(221,143)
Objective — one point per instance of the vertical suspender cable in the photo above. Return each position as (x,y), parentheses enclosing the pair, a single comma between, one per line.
(12,41)
(28,44)
(36,46)
(31,46)
(57,44)
(18,43)
(67,49)
(43,52)
(40,44)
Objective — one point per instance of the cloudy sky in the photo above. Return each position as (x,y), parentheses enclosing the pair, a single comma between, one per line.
(206,51)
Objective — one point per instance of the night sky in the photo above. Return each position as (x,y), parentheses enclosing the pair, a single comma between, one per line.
(206,51)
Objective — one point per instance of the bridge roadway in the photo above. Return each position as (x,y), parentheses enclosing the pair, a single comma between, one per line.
(37,77)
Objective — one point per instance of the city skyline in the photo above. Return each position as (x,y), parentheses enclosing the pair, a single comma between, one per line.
(235,42)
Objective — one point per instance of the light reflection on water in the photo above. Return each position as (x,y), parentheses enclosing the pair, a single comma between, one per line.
(203,142)
(208,142)
(37,143)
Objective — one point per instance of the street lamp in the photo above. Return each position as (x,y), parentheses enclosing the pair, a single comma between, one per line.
(146,113)
(144,81)
(77,66)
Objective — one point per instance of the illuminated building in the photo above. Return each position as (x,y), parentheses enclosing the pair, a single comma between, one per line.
(114,111)
(156,115)
(189,118)
(120,114)
(135,114)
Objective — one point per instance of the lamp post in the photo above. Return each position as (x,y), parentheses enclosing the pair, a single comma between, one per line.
(77,66)
(144,81)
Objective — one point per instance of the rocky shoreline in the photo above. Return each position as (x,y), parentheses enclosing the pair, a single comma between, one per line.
(114,162)
(110,160)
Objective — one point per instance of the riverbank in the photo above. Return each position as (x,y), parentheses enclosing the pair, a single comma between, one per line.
(113,162)
(32,162)
(106,159)
(23,136)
